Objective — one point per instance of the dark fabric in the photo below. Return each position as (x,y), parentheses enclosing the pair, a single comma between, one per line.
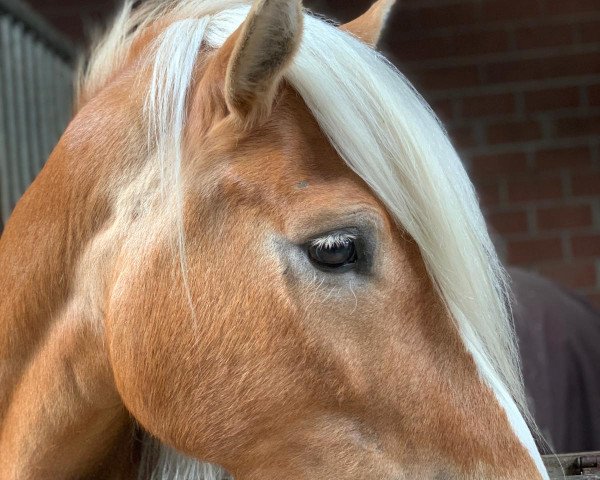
(559,339)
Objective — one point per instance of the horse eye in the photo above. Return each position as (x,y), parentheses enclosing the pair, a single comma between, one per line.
(333,254)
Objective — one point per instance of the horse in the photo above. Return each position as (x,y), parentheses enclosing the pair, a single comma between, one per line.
(254,253)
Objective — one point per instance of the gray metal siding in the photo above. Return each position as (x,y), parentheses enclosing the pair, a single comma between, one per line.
(35,98)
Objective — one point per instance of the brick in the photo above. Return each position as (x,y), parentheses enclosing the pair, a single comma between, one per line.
(483,105)
(448,77)
(594,95)
(574,275)
(571,216)
(403,21)
(586,184)
(422,48)
(590,32)
(586,245)
(556,158)
(496,10)
(512,132)
(462,137)
(443,109)
(540,36)
(509,222)
(447,15)
(532,251)
(560,7)
(499,164)
(489,193)
(552,99)
(487,41)
(543,68)
(577,126)
(535,188)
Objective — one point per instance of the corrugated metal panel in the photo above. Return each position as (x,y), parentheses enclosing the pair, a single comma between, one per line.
(35,98)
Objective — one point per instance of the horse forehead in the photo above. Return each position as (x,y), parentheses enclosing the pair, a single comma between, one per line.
(285,161)
(301,151)
(290,185)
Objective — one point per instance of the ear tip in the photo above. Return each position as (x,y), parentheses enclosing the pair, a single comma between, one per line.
(384,6)
(369,26)
(294,8)
(259,4)
(261,49)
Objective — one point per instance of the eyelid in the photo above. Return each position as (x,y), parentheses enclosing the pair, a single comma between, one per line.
(301,231)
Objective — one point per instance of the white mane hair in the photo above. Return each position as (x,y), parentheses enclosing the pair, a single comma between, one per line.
(383,130)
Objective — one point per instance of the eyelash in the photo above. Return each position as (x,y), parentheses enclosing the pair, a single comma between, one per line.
(333,240)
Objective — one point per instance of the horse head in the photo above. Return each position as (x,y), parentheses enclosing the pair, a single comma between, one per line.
(255,241)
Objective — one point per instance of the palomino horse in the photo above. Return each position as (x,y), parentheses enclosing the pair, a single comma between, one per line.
(255,242)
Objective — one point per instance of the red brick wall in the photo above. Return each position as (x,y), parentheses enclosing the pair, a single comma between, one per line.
(517,83)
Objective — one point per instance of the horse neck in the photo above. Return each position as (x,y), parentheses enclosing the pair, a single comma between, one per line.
(36,260)
(59,410)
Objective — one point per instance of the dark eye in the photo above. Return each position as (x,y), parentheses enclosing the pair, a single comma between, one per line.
(333,252)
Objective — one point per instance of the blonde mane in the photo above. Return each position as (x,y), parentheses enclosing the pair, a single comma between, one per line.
(382,129)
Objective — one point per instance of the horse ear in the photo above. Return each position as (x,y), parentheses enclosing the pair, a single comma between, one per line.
(261,49)
(369,25)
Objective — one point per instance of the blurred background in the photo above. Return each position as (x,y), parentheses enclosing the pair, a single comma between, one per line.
(517,85)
